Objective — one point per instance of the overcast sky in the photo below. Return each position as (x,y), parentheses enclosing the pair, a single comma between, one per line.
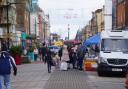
(76,13)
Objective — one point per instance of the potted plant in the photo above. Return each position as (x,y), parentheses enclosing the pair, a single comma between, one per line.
(16,52)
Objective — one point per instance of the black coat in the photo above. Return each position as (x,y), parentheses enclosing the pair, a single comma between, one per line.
(60,52)
(43,50)
(48,56)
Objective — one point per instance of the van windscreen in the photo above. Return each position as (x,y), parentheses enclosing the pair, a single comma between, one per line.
(116,45)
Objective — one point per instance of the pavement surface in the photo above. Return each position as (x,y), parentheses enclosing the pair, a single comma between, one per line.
(30,76)
(71,79)
(35,76)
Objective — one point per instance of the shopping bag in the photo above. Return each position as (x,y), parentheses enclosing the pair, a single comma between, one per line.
(63,66)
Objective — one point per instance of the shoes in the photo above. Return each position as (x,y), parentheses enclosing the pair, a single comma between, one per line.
(74,68)
(80,69)
(68,67)
(49,71)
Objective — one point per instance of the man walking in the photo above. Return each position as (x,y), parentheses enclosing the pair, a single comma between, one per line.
(6,63)
(49,60)
(60,53)
(43,52)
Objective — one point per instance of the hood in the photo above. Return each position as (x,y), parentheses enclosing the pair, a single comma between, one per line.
(119,55)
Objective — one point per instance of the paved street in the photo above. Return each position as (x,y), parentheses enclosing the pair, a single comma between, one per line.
(35,76)
(96,82)
(30,76)
(71,79)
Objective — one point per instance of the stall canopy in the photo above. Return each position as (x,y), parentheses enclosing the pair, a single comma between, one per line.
(92,40)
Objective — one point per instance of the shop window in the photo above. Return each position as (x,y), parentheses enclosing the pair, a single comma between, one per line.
(119,1)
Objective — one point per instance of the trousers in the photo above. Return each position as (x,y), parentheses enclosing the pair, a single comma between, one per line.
(5,80)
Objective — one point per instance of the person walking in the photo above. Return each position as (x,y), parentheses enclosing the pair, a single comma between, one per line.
(70,56)
(74,56)
(97,50)
(80,56)
(49,60)
(60,53)
(6,63)
(43,52)
(35,54)
(40,52)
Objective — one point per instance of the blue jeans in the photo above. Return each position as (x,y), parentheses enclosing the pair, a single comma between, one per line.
(80,64)
(35,57)
(5,80)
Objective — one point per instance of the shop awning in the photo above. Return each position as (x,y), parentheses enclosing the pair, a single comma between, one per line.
(92,40)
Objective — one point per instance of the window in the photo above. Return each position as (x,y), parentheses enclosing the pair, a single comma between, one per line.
(116,45)
(119,1)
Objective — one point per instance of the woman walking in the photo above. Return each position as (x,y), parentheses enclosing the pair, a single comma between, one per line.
(35,54)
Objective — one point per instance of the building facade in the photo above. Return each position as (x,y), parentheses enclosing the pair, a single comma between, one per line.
(95,25)
(120,13)
(99,20)
(22,18)
(7,21)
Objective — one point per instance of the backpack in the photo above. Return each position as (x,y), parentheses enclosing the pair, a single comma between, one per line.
(5,64)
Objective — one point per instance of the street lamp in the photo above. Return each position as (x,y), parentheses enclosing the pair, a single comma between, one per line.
(35,27)
(68,31)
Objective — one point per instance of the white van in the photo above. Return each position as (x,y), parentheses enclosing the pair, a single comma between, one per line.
(113,56)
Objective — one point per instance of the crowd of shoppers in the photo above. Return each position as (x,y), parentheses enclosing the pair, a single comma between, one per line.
(75,52)
(51,58)
(76,56)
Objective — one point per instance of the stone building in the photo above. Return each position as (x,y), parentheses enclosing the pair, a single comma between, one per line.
(7,21)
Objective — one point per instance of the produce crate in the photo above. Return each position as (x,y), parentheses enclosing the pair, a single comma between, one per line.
(90,65)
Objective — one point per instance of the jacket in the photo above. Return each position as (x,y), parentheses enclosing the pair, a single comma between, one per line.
(6,63)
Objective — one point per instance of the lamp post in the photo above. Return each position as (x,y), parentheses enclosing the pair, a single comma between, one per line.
(68,31)
(35,27)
